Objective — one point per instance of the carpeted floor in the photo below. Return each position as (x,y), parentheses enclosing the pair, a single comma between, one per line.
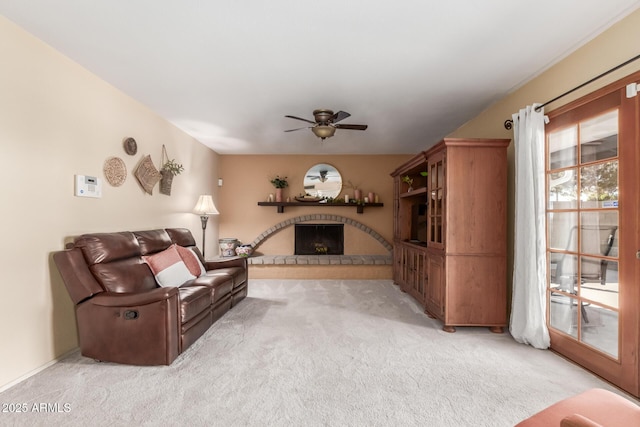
(312,353)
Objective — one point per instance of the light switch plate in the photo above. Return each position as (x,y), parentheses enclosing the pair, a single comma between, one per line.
(88,186)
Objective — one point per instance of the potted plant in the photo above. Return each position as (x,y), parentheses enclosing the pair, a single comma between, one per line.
(169,169)
(279,184)
(409,181)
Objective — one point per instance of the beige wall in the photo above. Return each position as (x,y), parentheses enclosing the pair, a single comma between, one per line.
(247,182)
(57,120)
(613,47)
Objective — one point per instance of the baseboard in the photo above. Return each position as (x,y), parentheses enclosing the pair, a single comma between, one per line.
(28,375)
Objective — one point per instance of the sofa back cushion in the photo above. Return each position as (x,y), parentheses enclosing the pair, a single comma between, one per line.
(115,261)
(152,241)
(183,237)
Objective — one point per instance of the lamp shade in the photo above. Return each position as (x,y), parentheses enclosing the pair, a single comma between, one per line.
(205,206)
(323,131)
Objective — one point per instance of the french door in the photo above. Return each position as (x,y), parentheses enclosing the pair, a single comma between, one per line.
(592,185)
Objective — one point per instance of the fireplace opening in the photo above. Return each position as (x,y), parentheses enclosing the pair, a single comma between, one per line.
(319,239)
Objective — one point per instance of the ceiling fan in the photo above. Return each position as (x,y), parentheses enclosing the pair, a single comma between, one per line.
(326,123)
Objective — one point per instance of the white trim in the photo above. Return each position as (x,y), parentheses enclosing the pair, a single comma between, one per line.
(37,370)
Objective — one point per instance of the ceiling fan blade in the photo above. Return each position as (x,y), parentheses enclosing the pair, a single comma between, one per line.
(299,118)
(291,130)
(352,127)
(340,115)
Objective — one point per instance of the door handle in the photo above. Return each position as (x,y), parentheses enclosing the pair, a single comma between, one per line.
(638,255)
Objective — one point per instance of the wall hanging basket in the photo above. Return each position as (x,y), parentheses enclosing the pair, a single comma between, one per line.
(167,175)
(165,182)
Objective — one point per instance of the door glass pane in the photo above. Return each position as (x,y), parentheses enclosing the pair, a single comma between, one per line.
(599,138)
(599,281)
(563,315)
(599,185)
(599,233)
(564,272)
(563,148)
(599,328)
(562,228)
(563,189)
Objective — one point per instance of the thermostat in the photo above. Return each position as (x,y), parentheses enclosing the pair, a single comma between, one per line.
(88,186)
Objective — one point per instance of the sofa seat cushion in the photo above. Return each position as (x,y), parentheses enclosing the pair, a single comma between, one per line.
(193,301)
(238,274)
(597,405)
(220,285)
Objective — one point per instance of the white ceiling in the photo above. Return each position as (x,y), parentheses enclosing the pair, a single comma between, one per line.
(227,72)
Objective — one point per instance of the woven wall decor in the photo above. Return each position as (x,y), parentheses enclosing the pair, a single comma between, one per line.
(147,174)
(130,146)
(115,171)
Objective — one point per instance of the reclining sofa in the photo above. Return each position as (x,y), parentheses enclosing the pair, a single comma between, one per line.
(143,297)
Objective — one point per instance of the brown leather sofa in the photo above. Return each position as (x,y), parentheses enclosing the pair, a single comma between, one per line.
(122,313)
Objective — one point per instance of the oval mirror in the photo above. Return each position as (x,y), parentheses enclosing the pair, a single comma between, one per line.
(323,180)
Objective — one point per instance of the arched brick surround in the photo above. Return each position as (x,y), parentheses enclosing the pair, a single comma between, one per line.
(320,217)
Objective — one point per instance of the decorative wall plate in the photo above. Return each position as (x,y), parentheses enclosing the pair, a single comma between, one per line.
(115,171)
(130,146)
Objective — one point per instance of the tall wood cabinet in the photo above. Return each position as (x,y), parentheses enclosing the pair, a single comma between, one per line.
(450,231)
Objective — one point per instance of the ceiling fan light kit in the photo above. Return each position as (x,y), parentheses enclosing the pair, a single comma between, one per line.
(326,123)
(323,131)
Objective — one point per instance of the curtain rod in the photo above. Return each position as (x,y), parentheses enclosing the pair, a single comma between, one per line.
(508,124)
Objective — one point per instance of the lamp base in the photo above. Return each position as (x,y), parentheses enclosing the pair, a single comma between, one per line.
(204,219)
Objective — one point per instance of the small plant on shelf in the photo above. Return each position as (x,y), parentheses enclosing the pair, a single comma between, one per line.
(279,182)
(409,181)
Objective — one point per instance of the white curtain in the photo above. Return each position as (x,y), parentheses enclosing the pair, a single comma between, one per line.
(528,304)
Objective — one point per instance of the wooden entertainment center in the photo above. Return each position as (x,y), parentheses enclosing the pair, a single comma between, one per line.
(450,232)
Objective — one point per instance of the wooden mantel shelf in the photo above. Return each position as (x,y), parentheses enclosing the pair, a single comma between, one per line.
(359,207)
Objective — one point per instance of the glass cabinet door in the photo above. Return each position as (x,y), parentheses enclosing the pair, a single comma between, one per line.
(436,199)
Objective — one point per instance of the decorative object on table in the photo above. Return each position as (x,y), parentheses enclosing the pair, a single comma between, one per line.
(147,174)
(115,171)
(279,184)
(357,192)
(244,250)
(169,169)
(372,196)
(409,181)
(270,197)
(204,208)
(228,247)
(308,198)
(326,123)
(130,146)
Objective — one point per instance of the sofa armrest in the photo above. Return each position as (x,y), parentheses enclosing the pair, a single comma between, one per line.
(577,420)
(226,263)
(114,299)
(133,328)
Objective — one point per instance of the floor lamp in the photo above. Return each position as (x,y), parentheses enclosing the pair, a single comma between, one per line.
(204,208)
